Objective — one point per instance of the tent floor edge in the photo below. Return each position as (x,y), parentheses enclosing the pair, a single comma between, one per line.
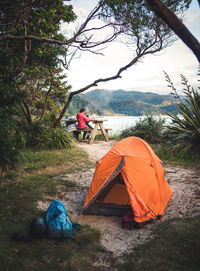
(106,209)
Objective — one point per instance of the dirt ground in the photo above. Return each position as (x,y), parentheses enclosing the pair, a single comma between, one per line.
(185,202)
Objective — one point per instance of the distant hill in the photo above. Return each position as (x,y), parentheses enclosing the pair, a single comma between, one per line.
(131,103)
(78,102)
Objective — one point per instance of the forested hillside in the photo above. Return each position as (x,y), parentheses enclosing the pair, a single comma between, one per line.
(131,103)
(79,102)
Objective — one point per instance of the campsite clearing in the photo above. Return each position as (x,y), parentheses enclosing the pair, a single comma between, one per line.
(185,202)
(102,244)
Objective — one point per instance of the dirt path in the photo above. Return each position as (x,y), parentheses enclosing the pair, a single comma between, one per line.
(97,150)
(184,202)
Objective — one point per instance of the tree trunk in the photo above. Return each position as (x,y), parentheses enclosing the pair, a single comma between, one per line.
(56,123)
(176,25)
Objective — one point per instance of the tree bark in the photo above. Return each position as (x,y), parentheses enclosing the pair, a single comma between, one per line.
(176,25)
(26,111)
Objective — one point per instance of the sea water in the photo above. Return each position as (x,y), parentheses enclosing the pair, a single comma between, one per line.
(119,123)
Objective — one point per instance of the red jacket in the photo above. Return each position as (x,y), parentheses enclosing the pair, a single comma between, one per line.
(82,119)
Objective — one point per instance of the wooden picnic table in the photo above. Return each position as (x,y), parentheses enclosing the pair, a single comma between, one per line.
(98,129)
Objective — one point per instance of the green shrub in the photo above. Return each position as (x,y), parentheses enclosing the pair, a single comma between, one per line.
(150,129)
(40,136)
(60,139)
(185,127)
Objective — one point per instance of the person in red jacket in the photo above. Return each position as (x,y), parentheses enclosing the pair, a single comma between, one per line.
(83,120)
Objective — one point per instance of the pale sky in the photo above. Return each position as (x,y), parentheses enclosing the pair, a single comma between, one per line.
(145,76)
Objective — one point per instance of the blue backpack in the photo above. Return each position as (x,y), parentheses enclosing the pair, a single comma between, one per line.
(58,223)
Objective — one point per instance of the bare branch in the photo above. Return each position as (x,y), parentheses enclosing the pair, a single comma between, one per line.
(66,62)
(20,120)
(25,109)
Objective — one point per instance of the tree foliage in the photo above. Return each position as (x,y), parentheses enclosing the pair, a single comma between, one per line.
(35,18)
(30,65)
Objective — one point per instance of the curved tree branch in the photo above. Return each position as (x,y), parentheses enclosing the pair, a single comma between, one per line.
(26,111)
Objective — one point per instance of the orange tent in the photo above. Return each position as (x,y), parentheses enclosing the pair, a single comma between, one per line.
(129,176)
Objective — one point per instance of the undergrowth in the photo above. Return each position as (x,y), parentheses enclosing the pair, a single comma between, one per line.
(186,159)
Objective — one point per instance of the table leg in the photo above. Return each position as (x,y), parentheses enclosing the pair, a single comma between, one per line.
(93,133)
(103,131)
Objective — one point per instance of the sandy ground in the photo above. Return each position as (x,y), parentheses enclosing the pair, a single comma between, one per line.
(185,202)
